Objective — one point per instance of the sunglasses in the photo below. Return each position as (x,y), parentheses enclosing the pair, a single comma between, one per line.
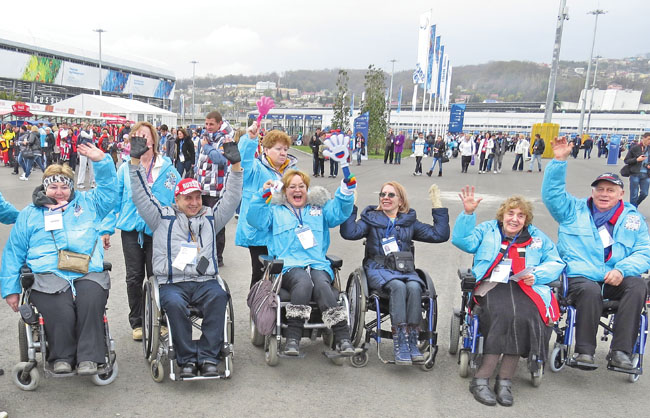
(384,194)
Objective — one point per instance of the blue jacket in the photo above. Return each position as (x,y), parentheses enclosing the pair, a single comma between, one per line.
(8,213)
(124,215)
(484,241)
(373,225)
(30,244)
(256,172)
(321,213)
(579,243)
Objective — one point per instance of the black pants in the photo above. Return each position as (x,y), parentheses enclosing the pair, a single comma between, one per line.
(388,153)
(257,267)
(464,162)
(519,162)
(138,265)
(220,239)
(585,295)
(74,327)
(334,168)
(482,165)
(321,166)
(316,166)
(418,165)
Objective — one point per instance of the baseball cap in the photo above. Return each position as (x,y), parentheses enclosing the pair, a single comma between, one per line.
(610,177)
(187,186)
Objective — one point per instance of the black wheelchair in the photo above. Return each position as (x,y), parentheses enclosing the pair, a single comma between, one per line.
(562,353)
(32,340)
(314,327)
(464,328)
(158,341)
(363,300)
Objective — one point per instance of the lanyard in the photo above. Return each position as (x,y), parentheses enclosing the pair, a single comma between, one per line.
(153,160)
(298,214)
(390,227)
(60,207)
(505,255)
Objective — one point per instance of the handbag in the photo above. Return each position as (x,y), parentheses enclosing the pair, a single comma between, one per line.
(71,261)
(401,261)
(445,159)
(625,171)
(363,151)
(28,153)
(472,163)
(262,301)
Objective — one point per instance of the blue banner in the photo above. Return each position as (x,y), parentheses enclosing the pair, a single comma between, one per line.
(442,54)
(612,149)
(313,117)
(361,125)
(274,117)
(431,57)
(399,100)
(456,118)
(295,117)
(352,105)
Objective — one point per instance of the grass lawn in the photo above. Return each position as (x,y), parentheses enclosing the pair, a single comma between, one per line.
(305,148)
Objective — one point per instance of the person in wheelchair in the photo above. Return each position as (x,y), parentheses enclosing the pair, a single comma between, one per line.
(390,228)
(513,263)
(59,226)
(604,242)
(184,257)
(298,220)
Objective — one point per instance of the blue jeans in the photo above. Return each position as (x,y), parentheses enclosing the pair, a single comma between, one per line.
(405,301)
(433,165)
(211,299)
(537,157)
(398,158)
(184,168)
(638,188)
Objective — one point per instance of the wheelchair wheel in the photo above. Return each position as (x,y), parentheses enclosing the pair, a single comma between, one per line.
(30,382)
(257,339)
(463,364)
(427,366)
(454,332)
(633,378)
(357,300)
(536,378)
(557,360)
(360,360)
(157,371)
(271,350)
(339,361)
(230,310)
(150,322)
(22,341)
(106,378)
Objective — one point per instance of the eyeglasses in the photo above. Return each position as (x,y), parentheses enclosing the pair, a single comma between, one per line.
(384,194)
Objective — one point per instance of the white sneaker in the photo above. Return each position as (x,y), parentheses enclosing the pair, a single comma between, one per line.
(480,172)
(494,171)
(23,178)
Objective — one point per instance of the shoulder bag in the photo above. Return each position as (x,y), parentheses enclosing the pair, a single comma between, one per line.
(71,261)
(262,301)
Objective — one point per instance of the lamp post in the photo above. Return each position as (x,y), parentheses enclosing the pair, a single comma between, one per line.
(193,76)
(593,91)
(596,13)
(100,31)
(563,15)
(390,90)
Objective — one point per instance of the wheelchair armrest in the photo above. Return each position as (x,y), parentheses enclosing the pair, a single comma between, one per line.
(25,270)
(275,263)
(430,289)
(335,261)
(467,280)
(108,266)
(555,284)
(26,277)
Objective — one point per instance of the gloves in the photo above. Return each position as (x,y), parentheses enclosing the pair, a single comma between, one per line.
(264,104)
(231,152)
(138,146)
(434,195)
(348,185)
(276,188)
(337,149)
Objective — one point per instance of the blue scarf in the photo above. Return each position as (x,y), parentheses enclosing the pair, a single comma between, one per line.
(601,218)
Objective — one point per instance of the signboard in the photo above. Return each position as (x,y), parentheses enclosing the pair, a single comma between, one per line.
(295,117)
(313,117)
(456,117)
(361,125)
(274,117)
(612,149)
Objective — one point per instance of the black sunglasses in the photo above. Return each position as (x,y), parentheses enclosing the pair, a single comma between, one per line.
(384,194)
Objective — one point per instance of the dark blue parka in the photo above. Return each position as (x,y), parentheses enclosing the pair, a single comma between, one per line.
(373,226)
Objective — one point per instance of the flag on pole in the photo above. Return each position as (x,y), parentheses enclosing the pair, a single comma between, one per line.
(352,105)
(443,78)
(434,71)
(448,83)
(430,56)
(415,97)
(399,99)
(423,48)
(442,54)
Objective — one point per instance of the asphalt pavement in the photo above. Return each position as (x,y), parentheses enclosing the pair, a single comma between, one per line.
(313,386)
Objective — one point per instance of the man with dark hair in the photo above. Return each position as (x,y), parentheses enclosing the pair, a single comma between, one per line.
(538,150)
(388,146)
(637,163)
(314,144)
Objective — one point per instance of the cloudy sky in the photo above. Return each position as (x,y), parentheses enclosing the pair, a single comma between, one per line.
(256,36)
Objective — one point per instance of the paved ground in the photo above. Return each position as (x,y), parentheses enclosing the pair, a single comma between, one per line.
(313,386)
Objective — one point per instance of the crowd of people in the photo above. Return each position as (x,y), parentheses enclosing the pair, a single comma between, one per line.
(174,191)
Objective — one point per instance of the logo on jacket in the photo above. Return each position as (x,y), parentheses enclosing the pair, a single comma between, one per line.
(315,211)
(78,210)
(170,182)
(536,243)
(632,222)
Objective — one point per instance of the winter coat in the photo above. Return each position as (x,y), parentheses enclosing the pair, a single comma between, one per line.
(185,147)
(29,244)
(632,155)
(256,172)
(399,144)
(466,147)
(538,146)
(579,242)
(373,226)
(522,146)
(124,215)
(172,228)
(484,241)
(8,213)
(439,145)
(279,221)
(418,147)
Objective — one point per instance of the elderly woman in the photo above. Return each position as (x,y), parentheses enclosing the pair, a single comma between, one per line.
(297,221)
(270,165)
(72,303)
(389,227)
(515,312)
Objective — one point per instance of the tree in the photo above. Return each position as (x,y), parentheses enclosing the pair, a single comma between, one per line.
(341,119)
(375,104)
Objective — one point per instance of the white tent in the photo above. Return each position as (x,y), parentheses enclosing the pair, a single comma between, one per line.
(92,105)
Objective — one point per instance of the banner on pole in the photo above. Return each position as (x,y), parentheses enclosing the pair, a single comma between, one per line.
(415,98)
(612,149)
(456,117)
(442,54)
(423,48)
(431,57)
(399,99)
(443,80)
(352,105)
(360,124)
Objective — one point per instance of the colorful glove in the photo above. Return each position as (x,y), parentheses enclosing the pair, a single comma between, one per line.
(264,104)
(348,184)
(338,149)
(267,194)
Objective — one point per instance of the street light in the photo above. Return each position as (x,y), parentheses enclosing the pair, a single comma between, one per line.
(563,15)
(591,57)
(100,31)
(390,90)
(193,75)
(593,91)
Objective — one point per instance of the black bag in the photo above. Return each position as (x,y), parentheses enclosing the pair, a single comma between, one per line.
(363,151)
(445,159)
(401,261)
(27,153)
(625,171)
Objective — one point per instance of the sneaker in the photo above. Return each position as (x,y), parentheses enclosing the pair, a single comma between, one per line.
(23,178)
(292,347)
(87,368)
(137,334)
(480,172)
(61,367)
(345,347)
(494,172)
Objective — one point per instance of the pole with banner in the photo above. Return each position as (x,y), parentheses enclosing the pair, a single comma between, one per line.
(456,117)
(613,149)
(361,125)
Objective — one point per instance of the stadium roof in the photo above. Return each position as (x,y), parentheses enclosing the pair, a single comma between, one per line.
(112,105)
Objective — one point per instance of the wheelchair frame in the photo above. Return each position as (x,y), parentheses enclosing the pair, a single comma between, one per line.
(32,340)
(464,328)
(562,353)
(156,345)
(361,298)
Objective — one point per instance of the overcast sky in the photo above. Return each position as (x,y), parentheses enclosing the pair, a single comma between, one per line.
(254,36)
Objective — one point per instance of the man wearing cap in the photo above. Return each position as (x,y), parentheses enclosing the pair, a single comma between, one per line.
(185,257)
(605,244)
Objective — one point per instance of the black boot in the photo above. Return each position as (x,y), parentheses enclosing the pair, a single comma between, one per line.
(503,390)
(480,388)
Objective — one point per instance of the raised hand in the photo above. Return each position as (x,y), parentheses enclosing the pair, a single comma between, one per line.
(252,130)
(270,188)
(434,195)
(138,146)
(561,148)
(338,149)
(231,152)
(91,151)
(469,202)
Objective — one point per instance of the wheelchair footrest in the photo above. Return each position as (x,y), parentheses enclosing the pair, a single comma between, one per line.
(335,354)
(580,365)
(300,355)
(636,370)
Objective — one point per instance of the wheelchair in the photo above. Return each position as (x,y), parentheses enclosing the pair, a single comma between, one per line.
(562,353)
(158,341)
(313,328)
(464,329)
(362,300)
(32,340)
